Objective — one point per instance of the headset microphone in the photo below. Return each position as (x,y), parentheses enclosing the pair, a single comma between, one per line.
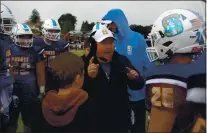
(102,58)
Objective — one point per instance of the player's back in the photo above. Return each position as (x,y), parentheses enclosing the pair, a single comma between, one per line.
(166,88)
(167,74)
(38,41)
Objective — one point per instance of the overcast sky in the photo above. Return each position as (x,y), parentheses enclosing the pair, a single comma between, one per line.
(137,12)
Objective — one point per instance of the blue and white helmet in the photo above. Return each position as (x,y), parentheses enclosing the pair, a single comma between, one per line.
(51,30)
(175,31)
(6,20)
(22,35)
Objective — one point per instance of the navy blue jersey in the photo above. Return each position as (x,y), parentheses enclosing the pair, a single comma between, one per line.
(167,79)
(196,95)
(5,52)
(24,62)
(197,80)
(51,51)
(6,80)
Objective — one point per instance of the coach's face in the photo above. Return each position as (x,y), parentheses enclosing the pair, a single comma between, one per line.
(113,28)
(105,49)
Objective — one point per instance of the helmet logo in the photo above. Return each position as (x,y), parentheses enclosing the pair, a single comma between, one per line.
(199,38)
(104,31)
(195,22)
(129,50)
(173,25)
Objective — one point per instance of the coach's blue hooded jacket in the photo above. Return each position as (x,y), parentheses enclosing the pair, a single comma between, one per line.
(130,44)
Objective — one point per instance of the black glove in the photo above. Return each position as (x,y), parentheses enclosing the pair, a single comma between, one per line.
(41,97)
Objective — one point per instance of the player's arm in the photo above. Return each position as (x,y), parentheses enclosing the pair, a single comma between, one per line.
(164,95)
(66,46)
(12,72)
(196,96)
(40,71)
(2,60)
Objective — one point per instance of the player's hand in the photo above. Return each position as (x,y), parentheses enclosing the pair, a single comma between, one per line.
(132,74)
(1,109)
(92,68)
(41,97)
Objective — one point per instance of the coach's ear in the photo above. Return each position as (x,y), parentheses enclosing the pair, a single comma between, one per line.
(79,79)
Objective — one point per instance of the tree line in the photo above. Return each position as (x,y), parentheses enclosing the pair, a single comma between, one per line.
(68,23)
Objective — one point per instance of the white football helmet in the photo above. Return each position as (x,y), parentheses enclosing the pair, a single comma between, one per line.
(175,31)
(51,30)
(22,35)
(6,20)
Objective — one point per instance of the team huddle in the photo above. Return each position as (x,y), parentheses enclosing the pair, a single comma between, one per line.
(175,79)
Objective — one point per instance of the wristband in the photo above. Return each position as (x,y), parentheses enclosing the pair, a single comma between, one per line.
(42,89)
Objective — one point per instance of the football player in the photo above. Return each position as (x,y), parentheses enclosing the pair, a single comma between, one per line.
(176,36)
(29,74)
(6,81)
(51,43)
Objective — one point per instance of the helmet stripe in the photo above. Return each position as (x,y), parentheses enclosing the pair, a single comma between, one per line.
(26,28)
(97,26)
(8,9)
(53,22)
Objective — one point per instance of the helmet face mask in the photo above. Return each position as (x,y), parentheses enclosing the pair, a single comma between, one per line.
(52,35)
(25,41)
(22,35)
(175,31)
(6,20)
(51,30)
(152,54)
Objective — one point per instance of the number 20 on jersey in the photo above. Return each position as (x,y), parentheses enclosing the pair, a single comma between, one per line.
(162,97)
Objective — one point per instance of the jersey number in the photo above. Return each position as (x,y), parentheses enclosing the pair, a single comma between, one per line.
(199,38)
(164,94)
(199,126)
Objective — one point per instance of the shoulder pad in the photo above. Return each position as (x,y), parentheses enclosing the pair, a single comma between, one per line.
(38,49)
(199,64)
(179,70)
(39,42)
(63,43)
(7,40)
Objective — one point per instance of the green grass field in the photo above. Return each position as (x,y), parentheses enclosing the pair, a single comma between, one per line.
(20,128)
(78,52)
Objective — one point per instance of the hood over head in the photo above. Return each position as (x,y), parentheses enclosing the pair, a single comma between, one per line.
(118,17)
